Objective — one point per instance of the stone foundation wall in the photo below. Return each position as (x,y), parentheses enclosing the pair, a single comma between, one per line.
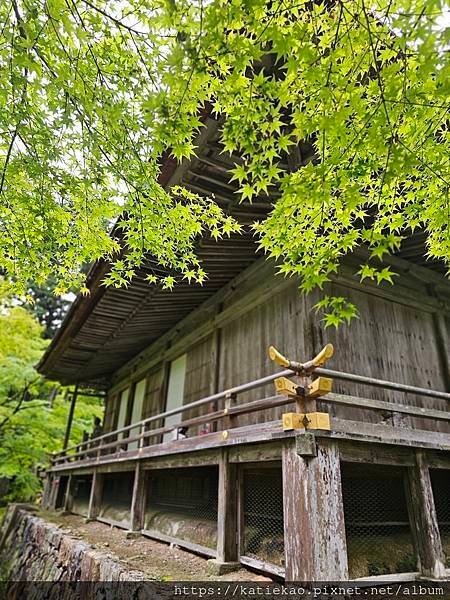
(32,549)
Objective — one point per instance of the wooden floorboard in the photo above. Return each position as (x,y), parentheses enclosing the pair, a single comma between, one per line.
(244,438)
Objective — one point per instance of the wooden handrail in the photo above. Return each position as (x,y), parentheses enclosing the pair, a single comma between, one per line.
(95,444)
(168,413)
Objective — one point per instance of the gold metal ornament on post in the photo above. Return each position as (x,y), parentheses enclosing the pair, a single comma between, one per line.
(306,391)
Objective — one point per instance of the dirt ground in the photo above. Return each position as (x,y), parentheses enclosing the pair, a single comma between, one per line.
(157,560)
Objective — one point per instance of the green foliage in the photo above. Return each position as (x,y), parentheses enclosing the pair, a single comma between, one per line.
(336,310)
(33,433)
(32,416)
(21,345)
(48,308)
(93,93)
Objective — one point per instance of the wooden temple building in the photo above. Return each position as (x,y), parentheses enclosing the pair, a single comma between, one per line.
(210,444)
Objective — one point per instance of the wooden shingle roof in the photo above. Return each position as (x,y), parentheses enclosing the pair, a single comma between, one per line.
(105,329)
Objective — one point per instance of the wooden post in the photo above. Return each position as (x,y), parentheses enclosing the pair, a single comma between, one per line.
(227,511)
(70,417)
(227,539)
(68,500)
(229,421)
(137,513)
(303,403)
(47,491)
(95,497)
(53,494)
(314,529)
(424,520)
(141,442)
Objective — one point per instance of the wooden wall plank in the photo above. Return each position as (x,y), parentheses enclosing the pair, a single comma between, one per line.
(153,402)
(390,340)
(111,407)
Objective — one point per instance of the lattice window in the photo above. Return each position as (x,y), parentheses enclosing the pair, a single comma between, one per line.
(262,533)
(116,497)
(182,504)
(81,492)
(379,538)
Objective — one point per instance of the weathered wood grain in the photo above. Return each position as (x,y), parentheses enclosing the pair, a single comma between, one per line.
(114,523)
(227,543)
(138,498)
(260,565)
(68,499)
(342,429)
(424,520)
(314,532)
(95,497)
(156,535)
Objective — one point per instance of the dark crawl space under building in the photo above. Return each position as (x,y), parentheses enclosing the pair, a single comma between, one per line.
(210,444)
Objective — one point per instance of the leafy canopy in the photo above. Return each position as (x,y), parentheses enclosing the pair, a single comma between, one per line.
(93,93)
(33,412)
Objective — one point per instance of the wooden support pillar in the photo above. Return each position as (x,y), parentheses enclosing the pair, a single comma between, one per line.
(227,546)
(73,401)
(47,492)
(52,492)
(314,529)
(424,520)
(55,482)
(95,497)
(68,500)
(227,539)
(137,513)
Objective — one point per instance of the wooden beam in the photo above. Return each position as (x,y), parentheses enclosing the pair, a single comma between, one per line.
(95,497)
(376,454)
(382,405)
(438,460)
(193,459)
(342,429)
(73,401)
(261,565)
(227,542)
(114,523)
(424,520)
(258,453)
(138,499)
(314,532)
(156,535)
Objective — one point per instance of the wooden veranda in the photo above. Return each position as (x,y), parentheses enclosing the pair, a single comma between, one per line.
(311,454)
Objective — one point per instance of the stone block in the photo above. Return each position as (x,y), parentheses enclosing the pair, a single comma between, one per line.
(216,567)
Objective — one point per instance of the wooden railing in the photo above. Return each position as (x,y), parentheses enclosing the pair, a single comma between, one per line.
(111,442)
